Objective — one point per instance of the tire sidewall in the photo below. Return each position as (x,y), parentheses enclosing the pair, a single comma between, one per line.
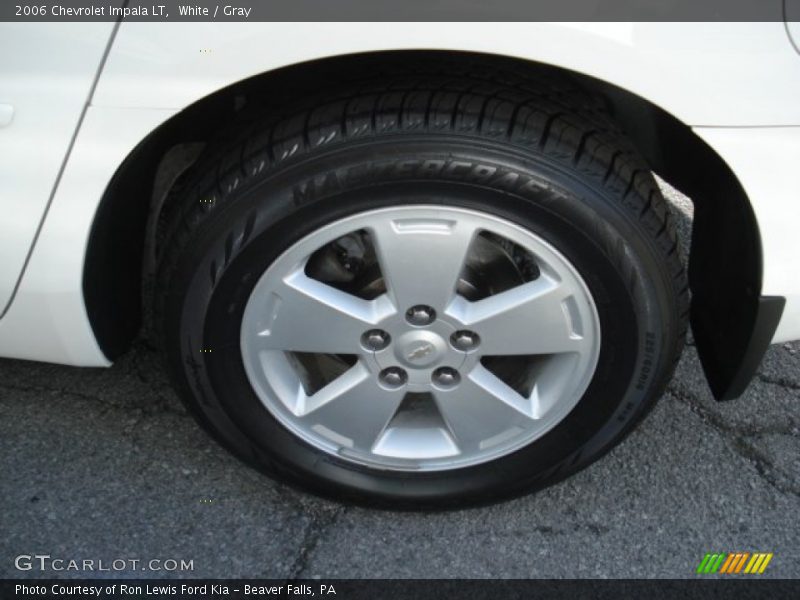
(618,261)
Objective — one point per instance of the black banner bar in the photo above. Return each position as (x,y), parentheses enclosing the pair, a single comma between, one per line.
(411,589)
(396,10)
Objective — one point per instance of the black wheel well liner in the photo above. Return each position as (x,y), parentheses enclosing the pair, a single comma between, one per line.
(732,323)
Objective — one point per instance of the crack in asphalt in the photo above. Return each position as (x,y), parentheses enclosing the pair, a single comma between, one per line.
(56,391)
(157,405)
(782,382)
(736,436)
(596,529)
(161,406)
(140,412)
(316,529)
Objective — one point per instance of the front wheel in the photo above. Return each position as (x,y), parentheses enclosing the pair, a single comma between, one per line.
(421,315)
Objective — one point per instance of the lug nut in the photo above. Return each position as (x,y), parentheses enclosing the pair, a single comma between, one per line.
(393,377)
(420,315)
(375,339)
(446,377)
(465,340)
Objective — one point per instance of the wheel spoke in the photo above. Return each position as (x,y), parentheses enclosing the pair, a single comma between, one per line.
(551,379)
(483,410)
(528,319)
(353,407)
(422,259)
(305,315)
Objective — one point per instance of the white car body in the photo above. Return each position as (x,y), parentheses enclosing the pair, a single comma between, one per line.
(76,99)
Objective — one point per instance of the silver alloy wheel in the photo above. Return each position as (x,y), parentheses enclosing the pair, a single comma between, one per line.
(416,392)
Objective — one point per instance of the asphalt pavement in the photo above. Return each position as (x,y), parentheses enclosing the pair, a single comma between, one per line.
(105,464)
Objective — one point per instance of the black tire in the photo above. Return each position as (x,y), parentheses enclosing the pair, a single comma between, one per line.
(534,149)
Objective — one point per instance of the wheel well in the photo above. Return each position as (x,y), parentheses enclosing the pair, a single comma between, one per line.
(730,320)
(725,259)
